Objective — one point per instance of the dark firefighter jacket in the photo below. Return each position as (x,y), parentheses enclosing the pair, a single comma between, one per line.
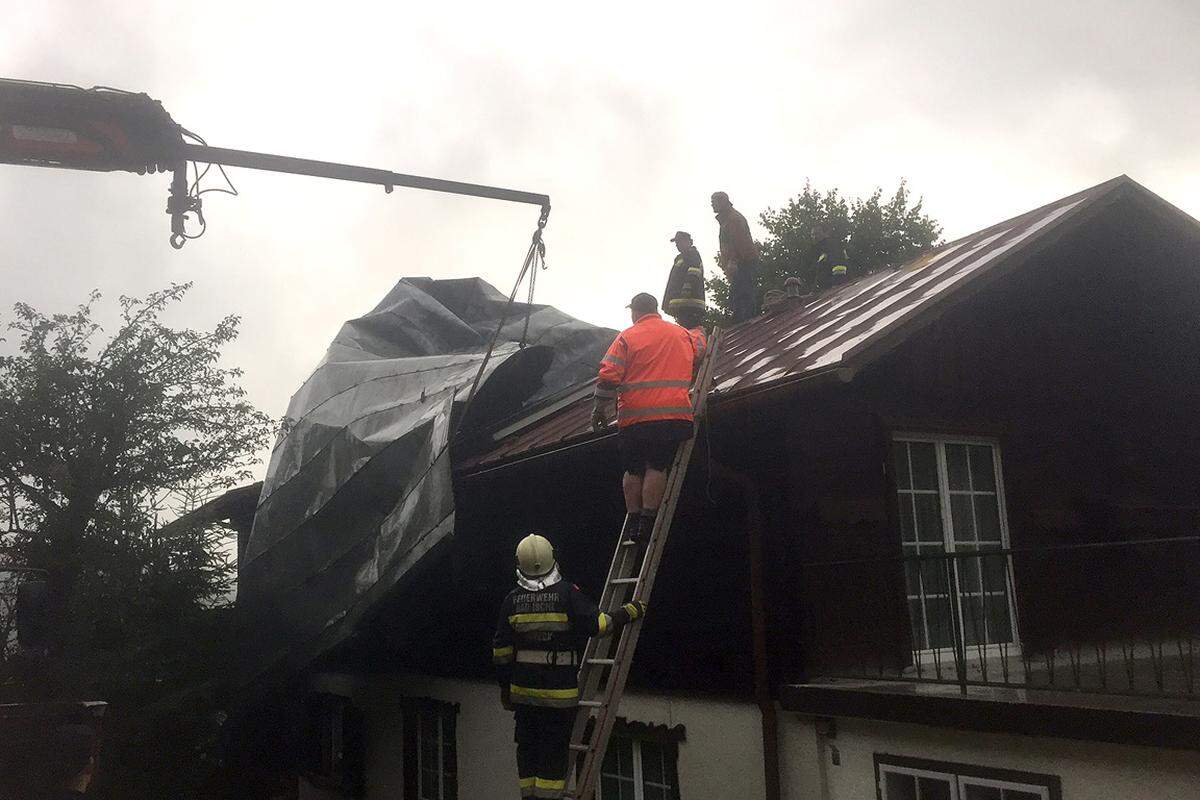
(685,284)
(538,638)
(832,263)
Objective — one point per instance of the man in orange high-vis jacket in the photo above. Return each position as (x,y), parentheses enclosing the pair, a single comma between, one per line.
(648,369)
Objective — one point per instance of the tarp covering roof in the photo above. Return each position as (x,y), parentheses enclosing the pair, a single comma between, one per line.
(359,486)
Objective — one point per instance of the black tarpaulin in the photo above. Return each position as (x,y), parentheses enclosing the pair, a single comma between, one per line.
(359,488)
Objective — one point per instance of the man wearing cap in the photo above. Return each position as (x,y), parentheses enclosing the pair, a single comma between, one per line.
(738,257)
(683,298)
(648,369)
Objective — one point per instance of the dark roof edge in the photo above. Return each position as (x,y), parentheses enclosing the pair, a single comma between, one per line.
(1032,716)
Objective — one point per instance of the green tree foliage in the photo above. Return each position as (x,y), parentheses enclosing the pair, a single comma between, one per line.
(877,233)
(100,444)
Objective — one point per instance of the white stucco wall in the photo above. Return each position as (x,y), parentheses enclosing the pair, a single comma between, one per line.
(721,758)
(722,755)
(1089,770)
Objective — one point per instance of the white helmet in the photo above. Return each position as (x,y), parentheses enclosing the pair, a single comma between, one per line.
(535,556)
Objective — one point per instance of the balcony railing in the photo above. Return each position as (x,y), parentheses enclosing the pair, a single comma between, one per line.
(1106,617)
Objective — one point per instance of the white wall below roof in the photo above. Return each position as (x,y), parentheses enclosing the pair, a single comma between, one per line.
(1089,770)
(721,758)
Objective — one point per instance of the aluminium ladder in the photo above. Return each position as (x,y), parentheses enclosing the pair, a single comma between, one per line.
(606,661)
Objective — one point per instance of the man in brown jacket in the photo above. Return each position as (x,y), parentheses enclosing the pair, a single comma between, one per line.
(738,257)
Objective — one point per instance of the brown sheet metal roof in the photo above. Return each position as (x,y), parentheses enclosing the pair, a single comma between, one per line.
(835,330)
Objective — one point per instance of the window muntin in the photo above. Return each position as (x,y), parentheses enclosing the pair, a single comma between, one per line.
(950,500)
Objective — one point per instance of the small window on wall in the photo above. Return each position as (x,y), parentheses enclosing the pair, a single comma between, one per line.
(641,763)
(902,778)
(336,741)
(430,750)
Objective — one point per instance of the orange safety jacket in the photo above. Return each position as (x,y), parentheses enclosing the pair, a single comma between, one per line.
(648,368)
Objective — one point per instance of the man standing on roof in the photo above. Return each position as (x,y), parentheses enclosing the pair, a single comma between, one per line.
(738,257)
(543,624)
(648,368)
(685,284)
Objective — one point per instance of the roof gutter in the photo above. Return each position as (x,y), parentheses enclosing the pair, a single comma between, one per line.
(758,623)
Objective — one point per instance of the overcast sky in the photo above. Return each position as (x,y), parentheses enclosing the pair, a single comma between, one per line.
(627,114)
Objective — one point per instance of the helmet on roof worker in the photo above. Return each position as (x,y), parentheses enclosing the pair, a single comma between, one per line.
(535,556)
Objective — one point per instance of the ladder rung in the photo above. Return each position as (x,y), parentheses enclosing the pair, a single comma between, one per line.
(590,704)
(579,748)
(601,662)
(625,580)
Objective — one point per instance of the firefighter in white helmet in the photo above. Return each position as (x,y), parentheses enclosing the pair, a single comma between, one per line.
(543,624)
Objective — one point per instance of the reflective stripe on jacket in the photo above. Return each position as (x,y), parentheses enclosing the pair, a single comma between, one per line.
(649,369)
(537,639)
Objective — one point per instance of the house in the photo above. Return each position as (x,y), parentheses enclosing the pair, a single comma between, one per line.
(939,540)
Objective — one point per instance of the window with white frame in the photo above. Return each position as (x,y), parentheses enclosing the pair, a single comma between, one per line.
(916,779)
(950,495)
(431,750)
(639,767)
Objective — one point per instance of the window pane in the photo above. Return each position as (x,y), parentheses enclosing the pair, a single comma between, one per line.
(652,762)
(429,784)
(899,787)
(967,565)
(653,792)
(908,525)
(987,514)
(956,466)
(983,473)
(912,576)
(1012,794)
(995,572)
(610,757)
(941,631)
(429,753)
(961,518)
(934,789)
(976,792)
(974,625)
(999,618)
(618,759)
(924,465)
(916,615)
(929,518)
(903,480)
(935,571)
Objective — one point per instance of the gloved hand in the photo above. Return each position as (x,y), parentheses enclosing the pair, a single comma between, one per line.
(636,610)
(599,419)
(505,700)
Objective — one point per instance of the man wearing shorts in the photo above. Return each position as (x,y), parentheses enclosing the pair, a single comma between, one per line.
(648,369)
